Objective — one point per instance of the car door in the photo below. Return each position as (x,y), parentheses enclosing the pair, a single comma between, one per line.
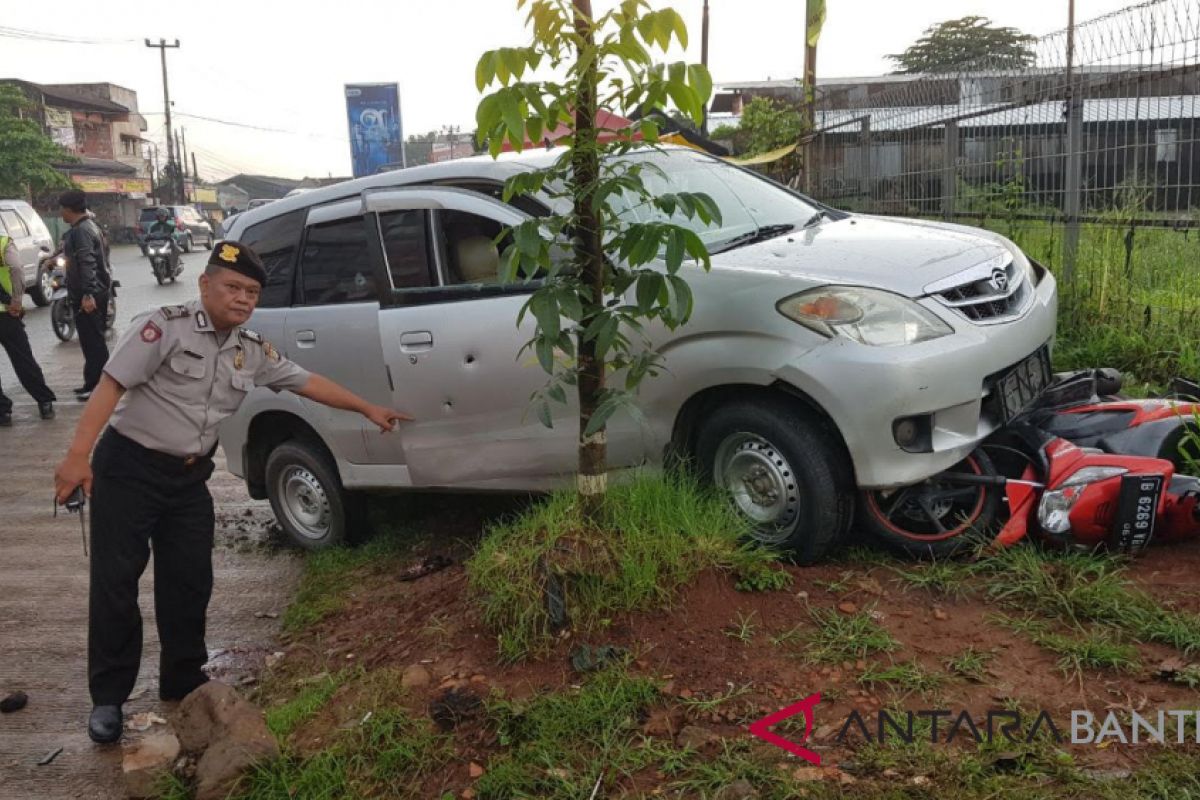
(27,247)
(332,327)
(452,350)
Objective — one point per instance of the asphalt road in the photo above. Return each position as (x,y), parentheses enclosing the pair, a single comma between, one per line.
(44,578)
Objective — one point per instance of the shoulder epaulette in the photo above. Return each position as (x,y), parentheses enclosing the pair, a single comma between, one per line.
(175,312)
(253,336)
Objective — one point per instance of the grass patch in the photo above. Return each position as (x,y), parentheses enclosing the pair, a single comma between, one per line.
(1079,588)
(845,637)
(970,664)
(557,745)
(943,578)
(708,705)
(1096,647)
(661,532)
(328,574)
(742,630)
(284,719)
(905,677)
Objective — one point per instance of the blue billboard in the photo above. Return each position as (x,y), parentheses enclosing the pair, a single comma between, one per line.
(375,132)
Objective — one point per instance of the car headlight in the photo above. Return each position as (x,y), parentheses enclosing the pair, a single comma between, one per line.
(1054,511)
(868,316)
(61,262)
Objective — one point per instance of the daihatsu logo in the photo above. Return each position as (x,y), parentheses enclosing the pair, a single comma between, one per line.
(999,280)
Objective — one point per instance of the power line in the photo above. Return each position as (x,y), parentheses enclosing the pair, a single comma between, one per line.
(41,36)
(248,126)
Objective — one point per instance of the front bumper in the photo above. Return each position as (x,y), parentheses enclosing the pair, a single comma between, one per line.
(865,389)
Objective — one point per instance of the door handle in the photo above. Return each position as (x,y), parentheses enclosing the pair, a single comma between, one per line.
(416,341)
(306,338)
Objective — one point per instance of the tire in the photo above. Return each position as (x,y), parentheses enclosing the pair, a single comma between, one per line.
(899,519)
(308,498)
(62,321)
(208,245)
(158,277)
(42,289)
(803,499)
(188,244)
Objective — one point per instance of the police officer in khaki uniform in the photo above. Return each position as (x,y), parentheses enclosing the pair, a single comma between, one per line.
(173,377)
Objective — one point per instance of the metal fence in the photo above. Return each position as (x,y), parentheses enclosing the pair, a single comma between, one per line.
(1090,156)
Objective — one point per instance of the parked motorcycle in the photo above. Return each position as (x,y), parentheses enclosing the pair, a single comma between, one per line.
(62,317)
(1083,467)
(160,255)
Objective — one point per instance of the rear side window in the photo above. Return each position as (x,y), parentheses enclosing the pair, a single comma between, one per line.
(14,223)
(406,248)
(336,266)
(276,241)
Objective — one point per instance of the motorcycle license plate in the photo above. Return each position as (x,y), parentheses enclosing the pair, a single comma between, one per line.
(1137,511)
(1023,384)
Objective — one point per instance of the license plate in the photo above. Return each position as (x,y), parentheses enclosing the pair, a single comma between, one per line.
(1137,510)
(1023,384)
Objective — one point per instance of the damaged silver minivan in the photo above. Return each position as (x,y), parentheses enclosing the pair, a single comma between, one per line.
(828,352)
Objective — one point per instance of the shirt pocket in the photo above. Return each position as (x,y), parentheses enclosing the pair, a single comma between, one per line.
(187,367)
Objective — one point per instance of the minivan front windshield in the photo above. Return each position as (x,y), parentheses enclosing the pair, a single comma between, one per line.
(752,208)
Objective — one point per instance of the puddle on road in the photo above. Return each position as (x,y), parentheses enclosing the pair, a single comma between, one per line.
(247,530)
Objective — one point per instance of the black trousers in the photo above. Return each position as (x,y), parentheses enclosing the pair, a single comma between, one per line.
(142,498)
(91,339)
(15,341)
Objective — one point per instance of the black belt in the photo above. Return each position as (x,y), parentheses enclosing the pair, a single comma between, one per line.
(161,460)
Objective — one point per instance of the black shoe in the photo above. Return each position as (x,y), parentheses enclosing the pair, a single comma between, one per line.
(104,725)
(83,396)
(46,410)
(5,420)
(81,390)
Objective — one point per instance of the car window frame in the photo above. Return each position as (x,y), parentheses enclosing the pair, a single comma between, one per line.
(332,213)
(445,292)
(16,234)
(291,284)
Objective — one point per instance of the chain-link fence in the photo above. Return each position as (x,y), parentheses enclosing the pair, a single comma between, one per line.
(1089,158)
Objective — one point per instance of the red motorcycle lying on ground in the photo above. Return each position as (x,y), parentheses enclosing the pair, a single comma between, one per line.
(1082,467)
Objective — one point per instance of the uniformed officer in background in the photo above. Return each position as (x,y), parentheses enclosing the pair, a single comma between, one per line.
(13,337)
(174,376)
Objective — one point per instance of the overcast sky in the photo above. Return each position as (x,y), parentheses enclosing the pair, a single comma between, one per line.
(272,65)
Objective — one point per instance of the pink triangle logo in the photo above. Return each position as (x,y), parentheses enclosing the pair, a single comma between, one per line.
(762,727)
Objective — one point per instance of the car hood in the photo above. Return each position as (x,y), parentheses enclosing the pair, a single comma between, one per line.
(898,255)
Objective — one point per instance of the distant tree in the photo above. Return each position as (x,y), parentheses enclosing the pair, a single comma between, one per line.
(949,45)
(767,124)
(27,154)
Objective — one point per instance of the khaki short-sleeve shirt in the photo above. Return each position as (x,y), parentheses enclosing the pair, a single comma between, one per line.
(182,377)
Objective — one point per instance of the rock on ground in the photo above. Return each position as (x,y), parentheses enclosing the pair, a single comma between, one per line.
(227,732)
(148,761)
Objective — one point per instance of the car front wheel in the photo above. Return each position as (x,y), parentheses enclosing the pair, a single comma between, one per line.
(308,498)
(782,471)
(43,288)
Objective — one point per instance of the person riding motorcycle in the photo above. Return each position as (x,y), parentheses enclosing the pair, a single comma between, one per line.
(164,228)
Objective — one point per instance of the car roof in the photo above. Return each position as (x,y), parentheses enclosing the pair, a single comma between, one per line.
(482,167)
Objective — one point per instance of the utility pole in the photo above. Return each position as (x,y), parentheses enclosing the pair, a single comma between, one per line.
(1073,180)
(183,153)
(704,61)
(162,49)
(196,173)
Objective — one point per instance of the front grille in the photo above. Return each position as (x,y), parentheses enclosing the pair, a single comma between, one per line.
(989,294)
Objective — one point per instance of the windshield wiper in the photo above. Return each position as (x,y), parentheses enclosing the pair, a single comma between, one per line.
(757,235)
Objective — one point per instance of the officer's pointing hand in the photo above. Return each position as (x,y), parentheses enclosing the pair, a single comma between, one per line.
(385,418)
(72,472)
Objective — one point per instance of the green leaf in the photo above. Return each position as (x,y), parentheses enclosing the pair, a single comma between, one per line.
(701,81)
(545,353)
(544,306)
(608,334)
(601,415)
(527,239)
(648,286)
(685,100)
(514,121)
(681,296)
(513,59)
(487,114)
(678,26)
(557,393)
(485,70)
(647,246)
(674,250)
(695,247)
(543,410)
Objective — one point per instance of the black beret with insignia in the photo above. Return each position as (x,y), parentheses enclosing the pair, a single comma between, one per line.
(239,258)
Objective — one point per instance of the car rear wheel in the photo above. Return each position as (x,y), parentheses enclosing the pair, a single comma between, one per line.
(43,288)
(307,496)
(940,517)
(783,472)
(208,244)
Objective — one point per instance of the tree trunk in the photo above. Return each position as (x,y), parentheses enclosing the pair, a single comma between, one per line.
(592,481)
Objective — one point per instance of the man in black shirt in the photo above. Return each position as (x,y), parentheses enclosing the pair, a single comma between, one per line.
(88,281)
